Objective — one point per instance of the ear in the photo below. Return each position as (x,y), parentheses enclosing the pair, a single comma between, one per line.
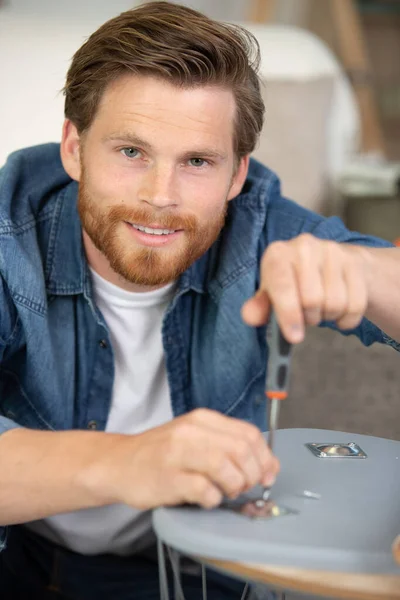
(239,177)
(70,150)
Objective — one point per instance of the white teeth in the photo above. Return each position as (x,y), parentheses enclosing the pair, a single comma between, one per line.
(153,231)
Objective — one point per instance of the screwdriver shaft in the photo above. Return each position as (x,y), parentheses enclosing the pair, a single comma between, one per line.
(277,380)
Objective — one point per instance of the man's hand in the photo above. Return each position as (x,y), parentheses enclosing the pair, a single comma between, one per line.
(196,458)
(308,280)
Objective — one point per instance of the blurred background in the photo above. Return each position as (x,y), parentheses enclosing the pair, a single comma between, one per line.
(330,73)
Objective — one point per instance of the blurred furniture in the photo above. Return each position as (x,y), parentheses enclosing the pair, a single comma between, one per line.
(312,123)
(261,11)
(365,190)
(345,20)
(380,23)
(354,57)
(373,205)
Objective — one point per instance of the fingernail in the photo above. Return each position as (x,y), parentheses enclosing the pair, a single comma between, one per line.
(296,333)
(269,480)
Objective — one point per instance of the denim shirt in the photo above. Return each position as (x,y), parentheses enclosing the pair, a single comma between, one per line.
(56,359)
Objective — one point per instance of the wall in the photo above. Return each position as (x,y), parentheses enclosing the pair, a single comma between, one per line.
(37,40)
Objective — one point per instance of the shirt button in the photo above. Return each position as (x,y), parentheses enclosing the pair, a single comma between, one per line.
(92,425)
(103,343)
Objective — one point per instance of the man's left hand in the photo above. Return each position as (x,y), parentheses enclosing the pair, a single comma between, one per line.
(307,280)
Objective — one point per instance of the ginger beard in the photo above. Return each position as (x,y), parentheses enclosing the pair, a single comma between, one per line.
(108,230)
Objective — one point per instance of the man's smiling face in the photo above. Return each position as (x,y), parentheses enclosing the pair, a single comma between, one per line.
(156,169)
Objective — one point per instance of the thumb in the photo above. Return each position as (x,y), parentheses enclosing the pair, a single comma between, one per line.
(255,311)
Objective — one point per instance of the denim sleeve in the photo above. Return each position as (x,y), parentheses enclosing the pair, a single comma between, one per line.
(8,331)
(286,220)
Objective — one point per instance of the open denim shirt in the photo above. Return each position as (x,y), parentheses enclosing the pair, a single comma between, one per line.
(56,359)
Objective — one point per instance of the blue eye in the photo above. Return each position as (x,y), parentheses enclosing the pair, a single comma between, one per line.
(130,152)
(197,162)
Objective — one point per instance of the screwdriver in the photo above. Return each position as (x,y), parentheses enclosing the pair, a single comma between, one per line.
(277,380)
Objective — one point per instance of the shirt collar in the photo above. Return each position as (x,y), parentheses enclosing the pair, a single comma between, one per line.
(66,265)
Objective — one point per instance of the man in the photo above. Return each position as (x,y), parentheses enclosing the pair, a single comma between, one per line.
(129,379)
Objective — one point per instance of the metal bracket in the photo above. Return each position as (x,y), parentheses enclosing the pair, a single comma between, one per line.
(331,450)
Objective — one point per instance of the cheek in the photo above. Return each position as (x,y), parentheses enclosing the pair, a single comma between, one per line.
(206,195)
(210,204)
(108,183)
(214,207)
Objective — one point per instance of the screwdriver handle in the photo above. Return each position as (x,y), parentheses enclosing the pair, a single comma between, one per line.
(278,369)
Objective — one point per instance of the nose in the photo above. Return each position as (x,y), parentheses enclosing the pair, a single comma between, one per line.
(159,187)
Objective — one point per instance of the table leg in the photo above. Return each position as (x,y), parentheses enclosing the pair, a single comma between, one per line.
(256,591)
(175,561)
(261,592)
(162,571)
(204,581)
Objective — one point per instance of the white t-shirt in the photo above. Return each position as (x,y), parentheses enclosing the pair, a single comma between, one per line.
(140,401)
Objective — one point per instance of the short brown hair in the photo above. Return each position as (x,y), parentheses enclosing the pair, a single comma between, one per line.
(177,44)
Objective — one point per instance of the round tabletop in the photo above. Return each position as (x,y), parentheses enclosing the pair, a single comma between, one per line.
(336,542)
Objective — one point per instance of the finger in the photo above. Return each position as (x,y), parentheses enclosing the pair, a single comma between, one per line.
(228,463)
(357,298)
(255,311)
(257,465)
(278,279)
(309,276)
(194,488)
(248,461)
(240,430)
(271,475)
(209,452)
(335,287)
(231,478)
(231,425)
(236,458)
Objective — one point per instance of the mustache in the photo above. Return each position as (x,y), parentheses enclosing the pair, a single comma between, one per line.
(146,218)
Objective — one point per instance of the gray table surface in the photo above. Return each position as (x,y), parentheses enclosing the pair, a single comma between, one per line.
(350,529)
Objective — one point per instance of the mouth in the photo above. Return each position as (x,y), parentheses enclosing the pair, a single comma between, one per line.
(153,236)
(153,230)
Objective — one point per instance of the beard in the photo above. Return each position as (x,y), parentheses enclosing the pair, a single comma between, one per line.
(108,230)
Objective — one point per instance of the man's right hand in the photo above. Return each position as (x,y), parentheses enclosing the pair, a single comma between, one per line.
(196,458)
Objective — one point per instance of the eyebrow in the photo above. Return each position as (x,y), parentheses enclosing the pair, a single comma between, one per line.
(134,140)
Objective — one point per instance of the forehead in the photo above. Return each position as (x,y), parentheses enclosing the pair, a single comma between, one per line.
(151,105)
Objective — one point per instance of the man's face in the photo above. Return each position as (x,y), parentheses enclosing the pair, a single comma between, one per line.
(157,171)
